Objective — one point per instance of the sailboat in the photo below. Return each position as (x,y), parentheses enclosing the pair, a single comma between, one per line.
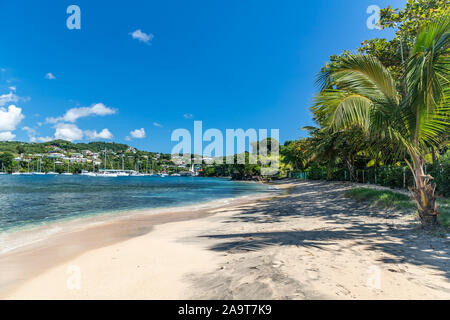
(105,173)
(28,173)
(3,170)
(87,173)
(136,172)
(122,173)
(16,173)
(39,165)
(54,170)
(68,173)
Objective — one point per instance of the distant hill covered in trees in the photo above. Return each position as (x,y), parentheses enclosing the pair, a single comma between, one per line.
(16,147)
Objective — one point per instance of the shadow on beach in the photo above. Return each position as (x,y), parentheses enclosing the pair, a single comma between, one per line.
(397,240)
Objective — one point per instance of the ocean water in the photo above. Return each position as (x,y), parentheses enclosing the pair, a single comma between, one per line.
(27,201)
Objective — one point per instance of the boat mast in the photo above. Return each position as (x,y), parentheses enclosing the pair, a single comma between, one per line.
(105,158)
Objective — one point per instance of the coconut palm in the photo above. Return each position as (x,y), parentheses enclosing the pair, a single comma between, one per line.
(412,115)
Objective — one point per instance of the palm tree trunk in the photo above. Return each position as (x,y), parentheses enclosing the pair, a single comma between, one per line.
(424,193)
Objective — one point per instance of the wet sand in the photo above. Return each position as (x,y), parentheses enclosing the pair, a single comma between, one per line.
(311,243)
(82,235)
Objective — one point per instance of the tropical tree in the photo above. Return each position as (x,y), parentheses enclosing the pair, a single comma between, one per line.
(6,161)
(295,153)
(412,115)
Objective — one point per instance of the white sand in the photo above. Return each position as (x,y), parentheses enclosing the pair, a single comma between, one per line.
(310,244)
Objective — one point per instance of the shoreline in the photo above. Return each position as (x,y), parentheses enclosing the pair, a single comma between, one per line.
(308,243)
(94,232)
(40,230)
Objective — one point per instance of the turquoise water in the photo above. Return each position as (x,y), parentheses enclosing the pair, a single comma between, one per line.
(36,200)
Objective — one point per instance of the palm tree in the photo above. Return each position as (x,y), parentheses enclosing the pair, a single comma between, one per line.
(413,115)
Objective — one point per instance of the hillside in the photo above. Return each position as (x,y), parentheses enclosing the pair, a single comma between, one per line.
(17,147)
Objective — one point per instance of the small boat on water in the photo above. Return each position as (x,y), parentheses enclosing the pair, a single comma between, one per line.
(106,175)
(87,173)
(52,173)
(68,173)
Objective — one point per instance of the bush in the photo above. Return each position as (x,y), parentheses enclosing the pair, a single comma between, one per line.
(441,173)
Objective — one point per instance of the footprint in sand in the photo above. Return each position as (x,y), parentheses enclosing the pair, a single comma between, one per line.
(312,274)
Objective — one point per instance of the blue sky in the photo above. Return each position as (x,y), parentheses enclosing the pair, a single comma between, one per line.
(232,64)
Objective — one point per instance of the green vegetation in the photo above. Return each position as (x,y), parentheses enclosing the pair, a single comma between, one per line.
(24,157)
(390,199)
(413,116)
(381,114)
(381,198)
(386,108)
(23,147)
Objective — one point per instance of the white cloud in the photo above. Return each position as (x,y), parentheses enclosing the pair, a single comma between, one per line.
(7,136)
(67,131)
(50,76)
(138,133)
(72,115)
(156,124)
(29,131)
(188,115)
(70,132)
(41,139)
(142,36)
(8,97)
(32,133)
(104,134)
(12,88)
(10,118)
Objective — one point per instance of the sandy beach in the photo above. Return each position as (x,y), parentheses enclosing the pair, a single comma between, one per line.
(309,243)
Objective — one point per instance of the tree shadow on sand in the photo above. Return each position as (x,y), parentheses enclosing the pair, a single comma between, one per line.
(402,242)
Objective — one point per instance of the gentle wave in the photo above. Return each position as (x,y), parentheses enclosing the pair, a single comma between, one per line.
(37,202)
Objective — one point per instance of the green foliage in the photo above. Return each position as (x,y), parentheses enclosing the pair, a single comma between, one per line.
(295,153)
(246,170)
(390,199)
(16,147)
(6,161)
(408,21)
(382,198)
(444,217)
(35,156)
(440,170)
(316,172)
